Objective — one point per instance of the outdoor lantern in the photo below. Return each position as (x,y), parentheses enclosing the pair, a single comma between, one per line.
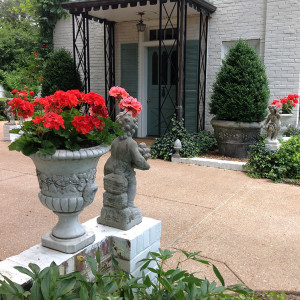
(140,25)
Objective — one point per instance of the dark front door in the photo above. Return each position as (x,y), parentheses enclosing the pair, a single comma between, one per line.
(159,114)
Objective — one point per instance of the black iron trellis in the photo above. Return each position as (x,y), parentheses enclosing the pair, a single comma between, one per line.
(175,103)
(166,98)
(202,62)
(80,22)
(109,64)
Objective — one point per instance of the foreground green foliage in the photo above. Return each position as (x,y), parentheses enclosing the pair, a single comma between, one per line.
(172,284)
(193,144)
(241,91)
(280,165)
(59,74)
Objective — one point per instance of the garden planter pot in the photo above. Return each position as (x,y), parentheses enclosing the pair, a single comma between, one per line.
(286,121)
(234,138)
(66,181)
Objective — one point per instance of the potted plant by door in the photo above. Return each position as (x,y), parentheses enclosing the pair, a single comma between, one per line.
(239,100)
(286,104)
(67,135)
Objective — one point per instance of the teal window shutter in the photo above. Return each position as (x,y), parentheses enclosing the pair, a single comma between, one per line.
(191,85)
(129,68)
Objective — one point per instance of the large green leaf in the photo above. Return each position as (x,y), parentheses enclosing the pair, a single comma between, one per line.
(64,287)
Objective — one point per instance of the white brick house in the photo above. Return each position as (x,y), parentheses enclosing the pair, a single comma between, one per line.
(270,26)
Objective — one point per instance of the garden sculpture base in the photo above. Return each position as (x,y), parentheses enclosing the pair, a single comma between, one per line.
(69,245)
(272,145)
(128,249)
(9,137)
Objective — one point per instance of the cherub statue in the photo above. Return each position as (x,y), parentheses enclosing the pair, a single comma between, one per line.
(9,114)
(126,155)
(272,123)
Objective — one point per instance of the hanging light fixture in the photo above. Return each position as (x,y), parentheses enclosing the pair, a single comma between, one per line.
(140,25)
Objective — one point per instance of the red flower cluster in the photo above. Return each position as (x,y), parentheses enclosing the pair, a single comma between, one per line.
(22,94)
(118,93)
(97,104)
(85,124)
(50,120)
(131,104)
(22,107)
(287,103)
(126,102)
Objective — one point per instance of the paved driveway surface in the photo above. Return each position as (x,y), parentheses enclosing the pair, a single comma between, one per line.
(249,228)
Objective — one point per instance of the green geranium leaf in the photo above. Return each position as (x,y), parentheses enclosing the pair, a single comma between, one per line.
(47,147)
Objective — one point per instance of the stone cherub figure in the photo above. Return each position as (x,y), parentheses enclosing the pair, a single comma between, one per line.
(9,114)
(272,123)
(118,209)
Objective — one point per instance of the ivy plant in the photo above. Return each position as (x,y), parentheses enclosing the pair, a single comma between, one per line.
(193,144)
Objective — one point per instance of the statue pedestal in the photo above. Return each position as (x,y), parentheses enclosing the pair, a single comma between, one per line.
(9,137)
(272,145)
(128,248)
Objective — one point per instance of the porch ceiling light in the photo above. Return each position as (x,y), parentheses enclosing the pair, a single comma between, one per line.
(140,25)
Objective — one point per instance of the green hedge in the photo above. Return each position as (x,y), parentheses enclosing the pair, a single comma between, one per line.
(2,115)
(282,165)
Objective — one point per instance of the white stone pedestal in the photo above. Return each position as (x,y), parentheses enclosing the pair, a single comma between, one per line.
(272,145)
(9,137)
(128,247)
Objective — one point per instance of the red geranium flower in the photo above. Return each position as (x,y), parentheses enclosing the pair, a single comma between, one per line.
(79,95)
(118,92)
(131,104)
(31,93)
(85,124)
(100,111)
(61,100)
(50,120)
(21,107)
(14,91)
(36,54)
(43,102)
(94,99)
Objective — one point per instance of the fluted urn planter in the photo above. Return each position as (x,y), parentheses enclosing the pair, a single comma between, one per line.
(286,121)
(234,138)
(66,181)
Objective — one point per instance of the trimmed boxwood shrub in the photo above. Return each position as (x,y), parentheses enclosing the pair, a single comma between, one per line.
(240,92)
(59,74)
(193,144)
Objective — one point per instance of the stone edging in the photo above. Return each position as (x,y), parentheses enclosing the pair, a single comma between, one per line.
(214,163)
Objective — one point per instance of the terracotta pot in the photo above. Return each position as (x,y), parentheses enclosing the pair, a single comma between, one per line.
(234,138)
(66,180)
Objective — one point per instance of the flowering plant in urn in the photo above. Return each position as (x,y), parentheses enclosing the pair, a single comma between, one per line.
(287,103)
(65,139)
(65,120)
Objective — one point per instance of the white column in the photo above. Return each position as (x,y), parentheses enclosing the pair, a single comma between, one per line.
(142,85)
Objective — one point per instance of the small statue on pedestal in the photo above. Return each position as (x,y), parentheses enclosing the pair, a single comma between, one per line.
(272,127)
(9,113)
(118,209)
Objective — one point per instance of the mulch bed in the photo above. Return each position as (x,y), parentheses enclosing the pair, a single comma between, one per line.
(215,155)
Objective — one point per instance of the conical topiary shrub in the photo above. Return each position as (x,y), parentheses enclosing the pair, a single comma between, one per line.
(59,74)
(241,91)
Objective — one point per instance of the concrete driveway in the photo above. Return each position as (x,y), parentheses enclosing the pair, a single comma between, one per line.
(249,228)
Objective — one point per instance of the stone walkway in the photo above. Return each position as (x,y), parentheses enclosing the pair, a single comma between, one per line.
(249,228)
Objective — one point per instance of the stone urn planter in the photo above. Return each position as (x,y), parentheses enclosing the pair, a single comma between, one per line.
(286,121)
(234,138)
(66,181)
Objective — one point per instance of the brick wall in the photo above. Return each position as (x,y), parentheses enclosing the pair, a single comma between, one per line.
(273,23)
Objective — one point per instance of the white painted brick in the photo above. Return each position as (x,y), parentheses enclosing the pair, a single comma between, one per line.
(134,264)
